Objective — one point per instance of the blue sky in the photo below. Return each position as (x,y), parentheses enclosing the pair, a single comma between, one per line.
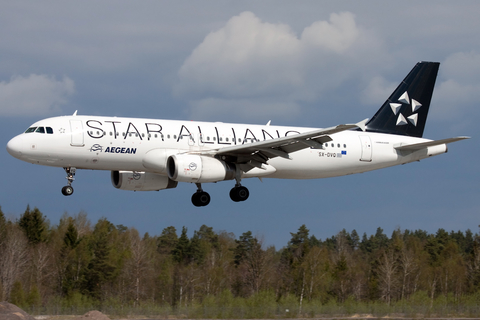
(302,63)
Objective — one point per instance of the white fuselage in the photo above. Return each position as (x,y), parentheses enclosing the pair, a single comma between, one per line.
(111,143)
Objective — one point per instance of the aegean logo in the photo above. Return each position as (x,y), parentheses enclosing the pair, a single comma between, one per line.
(96,147)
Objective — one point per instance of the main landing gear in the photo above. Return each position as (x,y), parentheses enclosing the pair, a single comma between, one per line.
(239,193)
(202,198)
(68,189)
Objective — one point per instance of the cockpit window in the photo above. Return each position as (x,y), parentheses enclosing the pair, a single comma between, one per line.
(49,130)
(40,130)
(31,129)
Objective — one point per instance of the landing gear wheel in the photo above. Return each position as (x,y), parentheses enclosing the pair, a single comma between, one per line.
(200,199)
(67,190)
(238,194)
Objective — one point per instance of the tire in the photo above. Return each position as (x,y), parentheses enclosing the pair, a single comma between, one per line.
(67,191)
(200,199)
(238,194)
(204,199)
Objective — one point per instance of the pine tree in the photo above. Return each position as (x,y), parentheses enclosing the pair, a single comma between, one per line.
(99,270)
(167,241)
(33,224)
(181,251)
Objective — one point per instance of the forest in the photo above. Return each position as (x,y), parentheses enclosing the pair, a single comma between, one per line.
(76,266)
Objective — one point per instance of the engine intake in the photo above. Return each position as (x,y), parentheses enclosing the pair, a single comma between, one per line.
(141,181)
(199,169)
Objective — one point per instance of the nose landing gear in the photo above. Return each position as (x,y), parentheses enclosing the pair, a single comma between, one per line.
(68,189)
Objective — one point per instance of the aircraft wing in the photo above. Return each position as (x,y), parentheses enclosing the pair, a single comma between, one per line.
(256,153)
(418,146)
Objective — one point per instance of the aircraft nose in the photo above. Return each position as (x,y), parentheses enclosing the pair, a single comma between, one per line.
(15,146)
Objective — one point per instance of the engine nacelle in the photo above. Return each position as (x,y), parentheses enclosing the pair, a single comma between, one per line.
(156,160)
(141,181)
(198,169)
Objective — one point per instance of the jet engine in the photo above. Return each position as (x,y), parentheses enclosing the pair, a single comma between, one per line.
(198,169)
(141,181)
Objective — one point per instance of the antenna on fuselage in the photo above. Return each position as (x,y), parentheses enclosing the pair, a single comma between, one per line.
(75,113)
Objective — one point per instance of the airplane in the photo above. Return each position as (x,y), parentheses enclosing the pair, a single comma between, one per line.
(151,154)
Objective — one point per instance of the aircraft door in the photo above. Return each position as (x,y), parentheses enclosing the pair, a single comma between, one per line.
(191,141)
(200,140)
(366,144)
(77,133)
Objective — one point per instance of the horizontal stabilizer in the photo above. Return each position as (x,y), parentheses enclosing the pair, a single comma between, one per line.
(422,145)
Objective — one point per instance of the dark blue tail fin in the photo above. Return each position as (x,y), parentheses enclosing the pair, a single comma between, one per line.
(405,111)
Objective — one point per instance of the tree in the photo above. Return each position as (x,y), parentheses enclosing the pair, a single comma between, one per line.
(250,259)
(139,264)
(100,269)
(3,225)
(167,241)
(182,248)
(297,247)
(14,258)
(33,224)
(388,271)
(17,296)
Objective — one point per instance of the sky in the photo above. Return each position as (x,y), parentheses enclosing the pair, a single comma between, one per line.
(299,63)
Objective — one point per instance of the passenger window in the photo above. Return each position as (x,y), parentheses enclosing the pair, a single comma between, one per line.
(40,130)
(344,145)
(338,145)
(32,129)
(332,145)
(49,130)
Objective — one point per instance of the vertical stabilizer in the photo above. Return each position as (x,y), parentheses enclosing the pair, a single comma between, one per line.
(405,111)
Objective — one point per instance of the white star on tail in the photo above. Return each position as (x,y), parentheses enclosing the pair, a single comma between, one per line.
(405,99)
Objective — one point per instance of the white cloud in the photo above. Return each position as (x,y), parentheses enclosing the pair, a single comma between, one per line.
(268,66)
(378,90)
(34,95)
(245,58)
(337,35)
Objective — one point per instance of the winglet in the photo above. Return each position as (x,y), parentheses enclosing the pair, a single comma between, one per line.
(362,124)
